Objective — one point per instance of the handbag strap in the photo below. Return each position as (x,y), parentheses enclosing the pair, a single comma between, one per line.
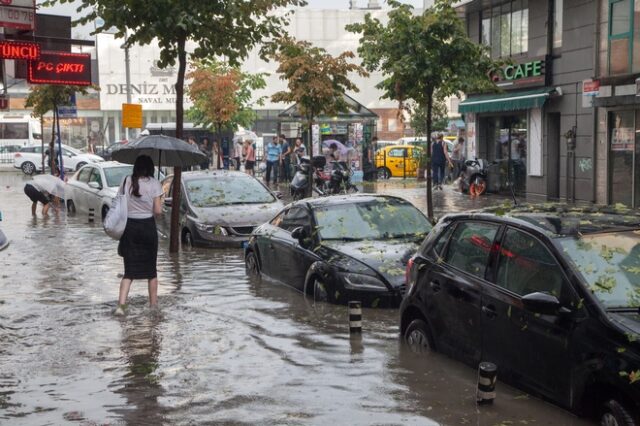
(124,185)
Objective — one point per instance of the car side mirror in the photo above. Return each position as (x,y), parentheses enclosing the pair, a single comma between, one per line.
(94,185)
(300,234)
(541,303)
(168,201)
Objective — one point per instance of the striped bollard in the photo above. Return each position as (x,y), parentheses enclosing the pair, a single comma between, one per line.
(91,215)
(355,317)
(487,377)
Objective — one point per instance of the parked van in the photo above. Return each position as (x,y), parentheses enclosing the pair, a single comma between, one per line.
(17,132)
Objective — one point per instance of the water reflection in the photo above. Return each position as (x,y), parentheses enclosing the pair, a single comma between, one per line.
(140,385)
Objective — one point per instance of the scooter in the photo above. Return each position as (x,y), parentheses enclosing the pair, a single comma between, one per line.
(340,179)
(473,177)
(315,166)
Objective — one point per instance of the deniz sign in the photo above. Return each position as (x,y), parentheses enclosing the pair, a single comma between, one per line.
(19,50)
(61,68)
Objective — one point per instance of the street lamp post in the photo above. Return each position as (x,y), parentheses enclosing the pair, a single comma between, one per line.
(127,70)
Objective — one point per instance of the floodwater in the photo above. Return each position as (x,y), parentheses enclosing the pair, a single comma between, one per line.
(221,350)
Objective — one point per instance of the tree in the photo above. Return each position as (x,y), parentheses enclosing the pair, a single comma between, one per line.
(439,117)
(421,54)
(47,98)
(222,96)
(316,80)
(220,28)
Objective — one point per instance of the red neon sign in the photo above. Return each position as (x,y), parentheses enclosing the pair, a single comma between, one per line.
(19,50)
(61,68)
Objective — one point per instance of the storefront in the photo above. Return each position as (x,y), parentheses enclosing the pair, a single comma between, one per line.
(506,131)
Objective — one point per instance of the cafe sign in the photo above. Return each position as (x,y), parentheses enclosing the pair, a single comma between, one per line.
(532,73)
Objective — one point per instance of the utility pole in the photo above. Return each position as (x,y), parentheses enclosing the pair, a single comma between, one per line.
(127,70)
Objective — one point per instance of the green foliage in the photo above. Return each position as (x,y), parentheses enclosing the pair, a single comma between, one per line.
(316,80)
(46,97)
(222,95)
(421,55)
(439,117)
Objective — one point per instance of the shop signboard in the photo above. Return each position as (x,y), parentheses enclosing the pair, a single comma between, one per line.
(19,50)
(531,73)
(132,116)
(20,14)
(61,68)
(622,139)
(590,87)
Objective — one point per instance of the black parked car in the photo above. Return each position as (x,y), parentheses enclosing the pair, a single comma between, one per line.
(340,248)
(550,295)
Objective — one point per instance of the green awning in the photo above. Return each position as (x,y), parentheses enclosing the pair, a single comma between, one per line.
(506,101)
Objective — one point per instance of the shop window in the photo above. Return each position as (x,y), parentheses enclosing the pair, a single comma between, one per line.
(505,29)
(557,23)
(620,36)
(624,157)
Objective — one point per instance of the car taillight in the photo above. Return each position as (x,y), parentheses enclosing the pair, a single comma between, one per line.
(407,272)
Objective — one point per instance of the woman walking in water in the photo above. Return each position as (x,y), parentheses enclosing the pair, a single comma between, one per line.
(139,243)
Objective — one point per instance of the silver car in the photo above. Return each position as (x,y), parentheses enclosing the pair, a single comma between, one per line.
(219,208)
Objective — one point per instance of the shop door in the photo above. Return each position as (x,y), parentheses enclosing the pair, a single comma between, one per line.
(622,158)
(509,152)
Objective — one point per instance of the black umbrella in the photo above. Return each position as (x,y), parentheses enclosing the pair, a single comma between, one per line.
(164,150)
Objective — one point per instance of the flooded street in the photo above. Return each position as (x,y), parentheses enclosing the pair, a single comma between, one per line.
(221,350)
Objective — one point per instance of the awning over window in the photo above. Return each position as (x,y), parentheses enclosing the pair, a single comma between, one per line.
(506,101)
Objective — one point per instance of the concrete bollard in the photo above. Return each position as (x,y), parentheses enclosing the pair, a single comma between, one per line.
(91,215)
(355,317)
(487,377)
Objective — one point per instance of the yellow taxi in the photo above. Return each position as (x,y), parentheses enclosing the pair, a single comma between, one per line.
(398,161)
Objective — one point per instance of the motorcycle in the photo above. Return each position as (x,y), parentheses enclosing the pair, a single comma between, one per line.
(337,181)
(473,177)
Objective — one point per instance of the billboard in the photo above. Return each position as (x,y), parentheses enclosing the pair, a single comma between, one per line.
(61,68)
(20,14)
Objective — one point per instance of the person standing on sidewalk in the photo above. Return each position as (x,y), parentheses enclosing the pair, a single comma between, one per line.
(286,159)
(205,147)
(139,243)
(249,158)
(439,159)
(273,153)
(299,150)
(457,156)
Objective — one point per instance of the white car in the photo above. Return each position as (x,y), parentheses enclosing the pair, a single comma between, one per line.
(29,159)
(95,185)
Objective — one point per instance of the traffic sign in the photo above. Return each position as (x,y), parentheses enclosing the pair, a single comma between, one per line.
(69,111)
(132,116)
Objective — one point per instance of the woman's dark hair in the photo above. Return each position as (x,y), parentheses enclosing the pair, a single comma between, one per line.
(143,167)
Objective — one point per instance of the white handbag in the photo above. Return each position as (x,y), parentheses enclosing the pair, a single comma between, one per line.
(116,219)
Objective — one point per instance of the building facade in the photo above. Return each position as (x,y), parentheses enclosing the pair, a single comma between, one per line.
(615,95)
(537,132)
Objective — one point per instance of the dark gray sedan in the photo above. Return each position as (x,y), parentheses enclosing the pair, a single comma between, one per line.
(219,208)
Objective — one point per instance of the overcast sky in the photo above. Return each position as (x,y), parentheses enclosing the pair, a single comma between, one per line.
(69,9)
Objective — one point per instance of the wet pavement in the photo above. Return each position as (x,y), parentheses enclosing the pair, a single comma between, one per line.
(221,350)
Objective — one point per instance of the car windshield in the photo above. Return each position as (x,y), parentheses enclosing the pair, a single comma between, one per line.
(115,175)
(610,264)
(72,150)
(373,220)
(225,190)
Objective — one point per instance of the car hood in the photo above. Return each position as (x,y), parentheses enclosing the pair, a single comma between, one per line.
(388,258)
(90,157)
(238,214)
(628,322)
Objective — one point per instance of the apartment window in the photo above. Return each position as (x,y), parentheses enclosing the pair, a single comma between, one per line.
(558,7)
(624,54)
(505,29)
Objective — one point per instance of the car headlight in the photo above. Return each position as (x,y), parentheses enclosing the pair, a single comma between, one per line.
(363,282)
(213,229)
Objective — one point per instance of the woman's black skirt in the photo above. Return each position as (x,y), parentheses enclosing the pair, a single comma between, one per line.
(139,248)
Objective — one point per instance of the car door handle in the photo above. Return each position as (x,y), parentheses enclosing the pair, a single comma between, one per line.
(435,286)
(489,311)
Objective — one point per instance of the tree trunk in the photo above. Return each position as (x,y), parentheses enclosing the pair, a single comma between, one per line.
(310,151)
(174,242)
(429,179)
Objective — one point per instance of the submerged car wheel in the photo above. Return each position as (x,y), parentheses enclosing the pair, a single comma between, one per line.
(320,293)
(80,164)
(71,208)
(251,265)
(384,173)
(105,211)
(417,337)
(187,239)
(615,414)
